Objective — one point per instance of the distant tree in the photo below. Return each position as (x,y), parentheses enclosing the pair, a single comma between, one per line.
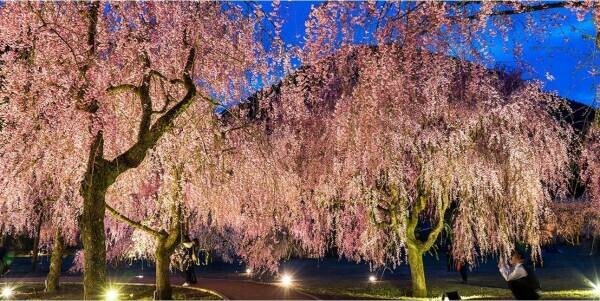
(44,213)
(590,161)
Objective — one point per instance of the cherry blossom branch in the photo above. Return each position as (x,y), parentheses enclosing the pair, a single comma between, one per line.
(116,214)
(92,30)
(134,156)
(53,30)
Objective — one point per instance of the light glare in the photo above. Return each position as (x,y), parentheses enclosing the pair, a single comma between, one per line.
(111,294)
(372,278)
(248,271)
(596,288)
(7,292)
(286,280)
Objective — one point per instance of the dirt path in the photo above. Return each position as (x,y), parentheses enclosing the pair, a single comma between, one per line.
(250,290)
(227,288)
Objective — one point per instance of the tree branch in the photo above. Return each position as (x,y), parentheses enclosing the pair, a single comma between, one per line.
(528,8)
(432,237)
(146,103)
(123,88)
(413,220)
(176,226)
(91,106)
(95,164)
(134,156)
(53,30)
(133,223)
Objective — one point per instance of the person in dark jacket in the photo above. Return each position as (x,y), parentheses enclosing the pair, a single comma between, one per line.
(521,278)
(189,261)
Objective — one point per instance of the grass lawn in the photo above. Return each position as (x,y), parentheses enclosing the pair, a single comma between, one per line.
(565,275)
(74,291)
(388,290)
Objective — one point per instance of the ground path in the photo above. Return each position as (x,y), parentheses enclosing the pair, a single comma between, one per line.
(228,288)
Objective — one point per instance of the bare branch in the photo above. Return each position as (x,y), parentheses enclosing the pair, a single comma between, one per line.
(523,8)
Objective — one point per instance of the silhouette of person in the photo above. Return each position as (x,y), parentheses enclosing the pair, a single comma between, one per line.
(521,278)
(189,261)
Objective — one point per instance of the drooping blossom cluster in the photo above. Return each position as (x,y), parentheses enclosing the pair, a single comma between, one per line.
(591,161)
(367,136)
(421,124)
(587,220)
(338,154)
(75,73)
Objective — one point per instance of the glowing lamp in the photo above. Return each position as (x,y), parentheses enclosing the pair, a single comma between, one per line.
(139,276)
(7,292)
(372,278)
(596,288)
(111,294)
(286,280)
(248,271)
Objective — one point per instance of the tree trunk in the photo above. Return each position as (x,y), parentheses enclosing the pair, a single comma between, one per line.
(163,283)
(92,234)
(52,280)
(417,271)
(36,245)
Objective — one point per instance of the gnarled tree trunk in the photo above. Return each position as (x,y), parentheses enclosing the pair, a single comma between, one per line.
(93,190)
(162,256)
(417,271)
(166,242)
(52,280)
(417,246)
(101,173)
(92,236)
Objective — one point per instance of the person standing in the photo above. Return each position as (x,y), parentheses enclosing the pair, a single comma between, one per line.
(189,261)
(463,269)
(520,277)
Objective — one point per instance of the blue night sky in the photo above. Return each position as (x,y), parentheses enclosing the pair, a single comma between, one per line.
(563,61)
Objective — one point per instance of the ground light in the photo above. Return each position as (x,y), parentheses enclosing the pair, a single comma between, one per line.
(596,288)
(7,292)
(248,271)
(286,280)
(111,294)
(372,278)
(594,285)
